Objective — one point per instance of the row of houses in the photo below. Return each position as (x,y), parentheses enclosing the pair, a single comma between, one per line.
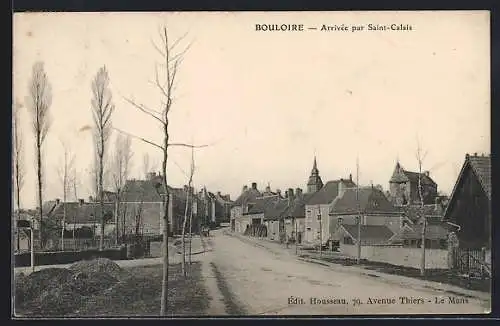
(139,209)
(328,214)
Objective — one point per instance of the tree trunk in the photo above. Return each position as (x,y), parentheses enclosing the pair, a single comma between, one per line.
(101,192)
(117,210)
(190,232)
(39,175)
(18,208)
(183,237)
(164,290)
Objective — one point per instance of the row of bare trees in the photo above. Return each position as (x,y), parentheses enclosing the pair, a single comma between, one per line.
(39,102)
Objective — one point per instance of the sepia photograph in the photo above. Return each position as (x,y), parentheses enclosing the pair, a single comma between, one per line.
(246,164)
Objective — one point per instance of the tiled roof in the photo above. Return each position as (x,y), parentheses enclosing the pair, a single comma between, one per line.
(371,200)
(329,192)
(370,234)
(402,175)
(82,213)
(275,210)
(432,232)
(261,204)
(142,190)
(248,195)
(298,207)
(413,212)
(482,168)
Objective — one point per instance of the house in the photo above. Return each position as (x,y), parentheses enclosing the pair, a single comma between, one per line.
(273,220)
(404,187)
(255,215)
(217,207)
(367,203)
(142,202)
(295,215)
(81,214)
(240,206)
(436,235)
(469,207)
(318,209)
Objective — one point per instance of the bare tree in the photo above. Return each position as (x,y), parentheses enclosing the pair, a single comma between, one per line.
(74,186)
(188,198)
(171,59)
(192,208)
(120,171)
(146,164)
(38,102)
(420,158)
(65,174)
(102,109)
(18,162)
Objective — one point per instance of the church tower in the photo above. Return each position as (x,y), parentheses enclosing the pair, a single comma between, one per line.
(314,183)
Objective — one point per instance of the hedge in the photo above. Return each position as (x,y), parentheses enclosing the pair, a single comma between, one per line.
(67,257)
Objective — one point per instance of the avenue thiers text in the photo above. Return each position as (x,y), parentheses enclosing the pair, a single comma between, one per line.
(332,27)
(403,300)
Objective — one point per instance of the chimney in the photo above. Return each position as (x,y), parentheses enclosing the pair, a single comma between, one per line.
(341,187)
(268,189)
(254,185)
(426,173)
(290,196)
(286,193)
(58,201)
(219,194)
(350,176)
(151,175)
(298,192)
(278,191)
(245,188)
(91,199)
(81,201)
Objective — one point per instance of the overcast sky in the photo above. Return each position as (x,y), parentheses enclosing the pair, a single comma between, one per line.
(269,100)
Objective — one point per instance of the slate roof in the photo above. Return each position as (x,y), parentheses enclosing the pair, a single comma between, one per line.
(370,234)
(142,190)
(371,200)
(481,165)
(329,192)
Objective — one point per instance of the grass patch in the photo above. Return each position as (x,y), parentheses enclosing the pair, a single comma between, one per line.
(232,307)
(136,293)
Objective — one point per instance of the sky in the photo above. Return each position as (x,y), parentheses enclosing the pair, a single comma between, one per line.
(266,102)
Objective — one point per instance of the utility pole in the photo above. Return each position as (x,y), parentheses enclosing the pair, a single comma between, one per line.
(359,211)
(296,236)
(320,232)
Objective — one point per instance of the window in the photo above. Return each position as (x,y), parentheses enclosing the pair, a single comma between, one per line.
(340,220)
(348,241)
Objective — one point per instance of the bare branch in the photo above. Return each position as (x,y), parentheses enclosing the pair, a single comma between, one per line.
(144,109)
(186,145)
(140,138)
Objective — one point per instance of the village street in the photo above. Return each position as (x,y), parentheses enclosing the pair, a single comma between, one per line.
(261,281)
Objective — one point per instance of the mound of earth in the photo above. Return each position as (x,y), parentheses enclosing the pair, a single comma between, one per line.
(60,291)
(99,265)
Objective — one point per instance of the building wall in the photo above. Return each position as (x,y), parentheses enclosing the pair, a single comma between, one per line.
(272,230)
(471,210)
(151,215)
(408,257)
(312,223)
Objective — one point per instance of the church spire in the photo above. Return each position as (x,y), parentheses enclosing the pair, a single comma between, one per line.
(314,183)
